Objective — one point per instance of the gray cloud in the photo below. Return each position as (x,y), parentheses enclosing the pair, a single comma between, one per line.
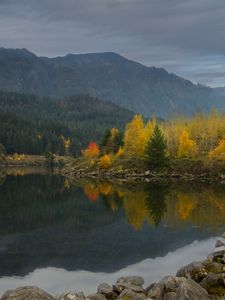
(185,37)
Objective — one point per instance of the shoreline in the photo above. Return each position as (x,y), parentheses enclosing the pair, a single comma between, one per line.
(203,280)
(125,170)
(137,171)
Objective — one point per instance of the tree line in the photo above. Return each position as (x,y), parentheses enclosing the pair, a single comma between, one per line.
(198,137)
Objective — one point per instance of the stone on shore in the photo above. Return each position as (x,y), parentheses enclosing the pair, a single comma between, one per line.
(177,288)
(195,271)
(220,243)
(130,295)
(132,280)
(106,290)
(71,296)
(27,293)
(96,296)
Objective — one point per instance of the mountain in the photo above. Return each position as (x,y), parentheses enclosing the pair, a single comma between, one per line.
(109,76)
(34,125)
(219,92)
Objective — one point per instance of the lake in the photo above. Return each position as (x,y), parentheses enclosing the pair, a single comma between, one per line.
(62,236)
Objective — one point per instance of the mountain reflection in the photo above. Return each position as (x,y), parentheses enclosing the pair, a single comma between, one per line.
(48,221)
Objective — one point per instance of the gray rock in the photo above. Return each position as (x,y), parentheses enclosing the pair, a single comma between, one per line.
(106,290)
(170,296)
(213,266)
(132,280)
(190,290)
(130,295)
(219,243)
(213,280)
(119,287)
(219,252)
(72,296)
(177,288)
(167,285)
(26,293)
(96,296)
(196,271)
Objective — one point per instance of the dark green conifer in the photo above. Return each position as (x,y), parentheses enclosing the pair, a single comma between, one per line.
(156,149)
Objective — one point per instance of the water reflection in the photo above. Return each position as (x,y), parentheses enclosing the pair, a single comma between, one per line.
(175,205)
(99,227)
(56,281)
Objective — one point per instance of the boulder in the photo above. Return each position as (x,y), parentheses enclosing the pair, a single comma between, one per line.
(106,290)
(215,285)
(96,296)
(168,284)
(212,280)
(71,296)
(177,288)
(27,293)
(190,290)
(196,271)
(219,243)
(119,287)
(130,295)
(132,280)
(213,266)
(217,254)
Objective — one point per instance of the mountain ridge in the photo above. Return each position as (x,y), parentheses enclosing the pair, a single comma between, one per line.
(108,75)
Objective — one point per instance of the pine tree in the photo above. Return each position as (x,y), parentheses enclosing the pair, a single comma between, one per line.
(156,149)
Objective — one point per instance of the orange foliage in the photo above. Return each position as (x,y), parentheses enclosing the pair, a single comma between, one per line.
(92,150)
(92,192)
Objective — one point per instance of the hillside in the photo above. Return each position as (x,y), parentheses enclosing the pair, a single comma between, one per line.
(109,76)
(33,125)
(220,92)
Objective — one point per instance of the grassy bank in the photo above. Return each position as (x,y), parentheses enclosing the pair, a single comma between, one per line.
(24,160)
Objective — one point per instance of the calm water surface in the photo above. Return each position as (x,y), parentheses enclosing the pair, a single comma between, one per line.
(62,236)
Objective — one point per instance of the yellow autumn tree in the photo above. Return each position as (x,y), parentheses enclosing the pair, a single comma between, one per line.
(219,151)
(187,147)
(135,137)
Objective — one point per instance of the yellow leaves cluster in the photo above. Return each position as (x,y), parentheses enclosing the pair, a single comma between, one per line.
(187,146)
(219,151)
(136,136)
(105,162)
(120,152)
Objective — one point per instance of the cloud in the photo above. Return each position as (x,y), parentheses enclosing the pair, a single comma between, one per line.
(173,34)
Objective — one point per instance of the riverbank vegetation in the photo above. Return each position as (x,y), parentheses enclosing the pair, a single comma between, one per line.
(157,144)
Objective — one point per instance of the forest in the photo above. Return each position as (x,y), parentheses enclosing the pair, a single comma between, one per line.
(37,125)
(103,132)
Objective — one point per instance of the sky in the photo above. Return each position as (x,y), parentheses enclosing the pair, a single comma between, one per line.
(186,37)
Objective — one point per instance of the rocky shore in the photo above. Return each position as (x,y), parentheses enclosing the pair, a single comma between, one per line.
(202,280)
(140,175)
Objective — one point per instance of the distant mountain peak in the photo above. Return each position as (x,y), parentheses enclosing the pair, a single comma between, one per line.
(22,52)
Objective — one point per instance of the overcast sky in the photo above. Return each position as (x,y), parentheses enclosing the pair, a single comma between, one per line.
(187,37)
